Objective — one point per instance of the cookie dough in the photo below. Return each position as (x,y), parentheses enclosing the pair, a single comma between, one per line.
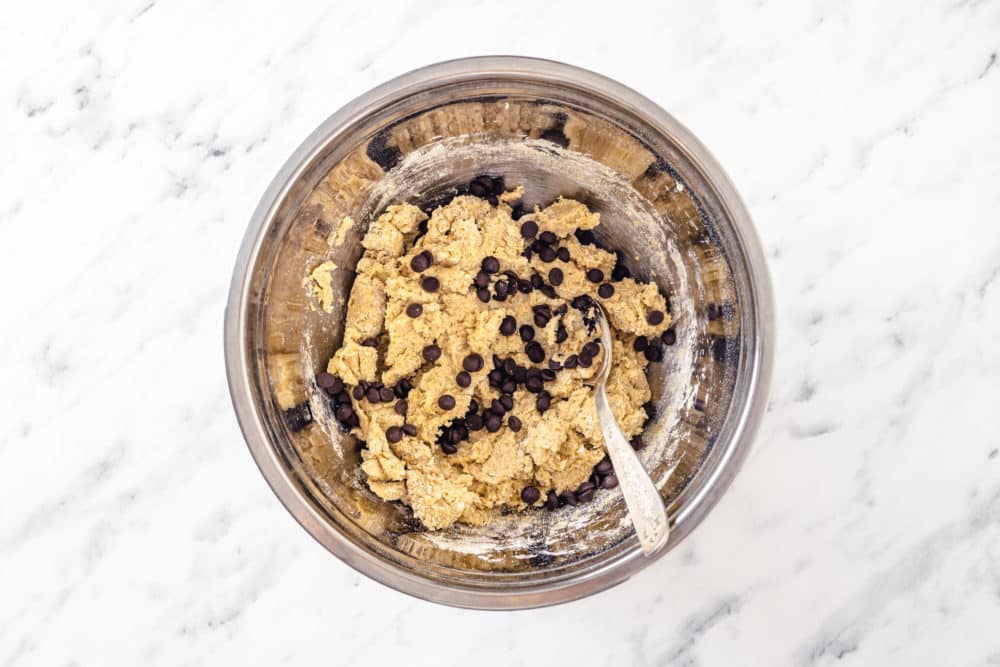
(468,359)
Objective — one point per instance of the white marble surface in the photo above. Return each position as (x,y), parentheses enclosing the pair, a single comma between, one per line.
(137,136)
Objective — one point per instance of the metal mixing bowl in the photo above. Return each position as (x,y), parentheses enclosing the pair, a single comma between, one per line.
(556,130)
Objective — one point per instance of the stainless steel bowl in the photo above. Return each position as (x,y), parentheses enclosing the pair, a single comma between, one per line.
(556,129)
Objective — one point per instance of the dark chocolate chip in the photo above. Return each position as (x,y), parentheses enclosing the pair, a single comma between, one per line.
(476,189)
(549,291)
(401,407)
(554,135)
(409,429)
(501,290)
(585,237)
(609,482)
(358,392)
(474,422)
(587,494)
(534,351)
(527,332)
(585,361)
(620,272)
(508,366)
(508,387)
(604,466)
(547,254)
(493,423)
(491,264)
(496,377)
(514,423)
(551,501)
(636,443)
(496,407)
(446,402)
(394,434)
(432,353)
(529,229)
(533,384)
(414,310)
(640,343)
(541,319)
(483,294)
(420,263)
(448,448)
(430,284)
(655,317)
(372,395)
(606,291)
(473,407)
(653,353)
(548,374)
(524,286)
(342,397)
(536,280)
(555,365)
(556,277)
(507,401)
(567,498)
(571,361)
(493,200)
(595,275)
(482,279)
(530,494)
(369,342)
(591,349)
(508,326)
(547,237)
(563,254)
(669,337)
(516,211)
(463,379)
(472,363)
(561,334)
(520,374)
(543,402)
(385,393)
(326,381)
(343,412)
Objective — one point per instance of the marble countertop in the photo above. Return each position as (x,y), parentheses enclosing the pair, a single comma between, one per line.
(138,136)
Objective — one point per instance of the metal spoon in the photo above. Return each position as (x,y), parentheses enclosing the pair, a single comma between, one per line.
(645,507)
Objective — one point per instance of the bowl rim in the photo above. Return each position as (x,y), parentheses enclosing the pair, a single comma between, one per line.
(279,477)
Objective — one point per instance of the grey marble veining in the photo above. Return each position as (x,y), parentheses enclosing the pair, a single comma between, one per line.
(137,137)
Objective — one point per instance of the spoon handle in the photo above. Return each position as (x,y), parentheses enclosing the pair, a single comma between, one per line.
(645,507)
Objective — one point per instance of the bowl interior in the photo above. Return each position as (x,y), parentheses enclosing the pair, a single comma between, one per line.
(554,138)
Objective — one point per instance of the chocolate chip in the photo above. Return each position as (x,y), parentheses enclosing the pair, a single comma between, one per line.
(508,387)
(473,407)
(369,342)
(534,351)
(527,332)
(508,366)
(520,375)
(394,434)
(507,401)
(561,334)
(530,494)
(541,319)
(420,262)
(567,498)
(595,275)
(555,365)
(547,237)
(556,277)
(402,388)
(343,412)
(448,448)
(498,185)
(536,280)
(547,254)
(571,361)
(636,443)
(549,291)
(342,397)
(508,326)
(326,380)
(401,407)
(472,363)
(358,392)
(493,200)
(653,353)
(555,135)
(609,482)
(514,423)
(606,291)
(430,284)
(551,501)
(432,353)
(655,317)
(491,264)
(533,384)
(604,466)
(482,279)
(476,189)
(414,310)
(409,429)
(516,211)
(548,374)
(372,395)
(474,422)
(493,423)
(457,433)
(524,286)
(496,377)
(543,402)
(563,254)
(529,229)
(640,343)
(483,294)
(669,337)
(385,393)
(585,237)
(496,407)
(585,361)
(591,349)
(501,290)
(586,495)
(463,379)
(446,402)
